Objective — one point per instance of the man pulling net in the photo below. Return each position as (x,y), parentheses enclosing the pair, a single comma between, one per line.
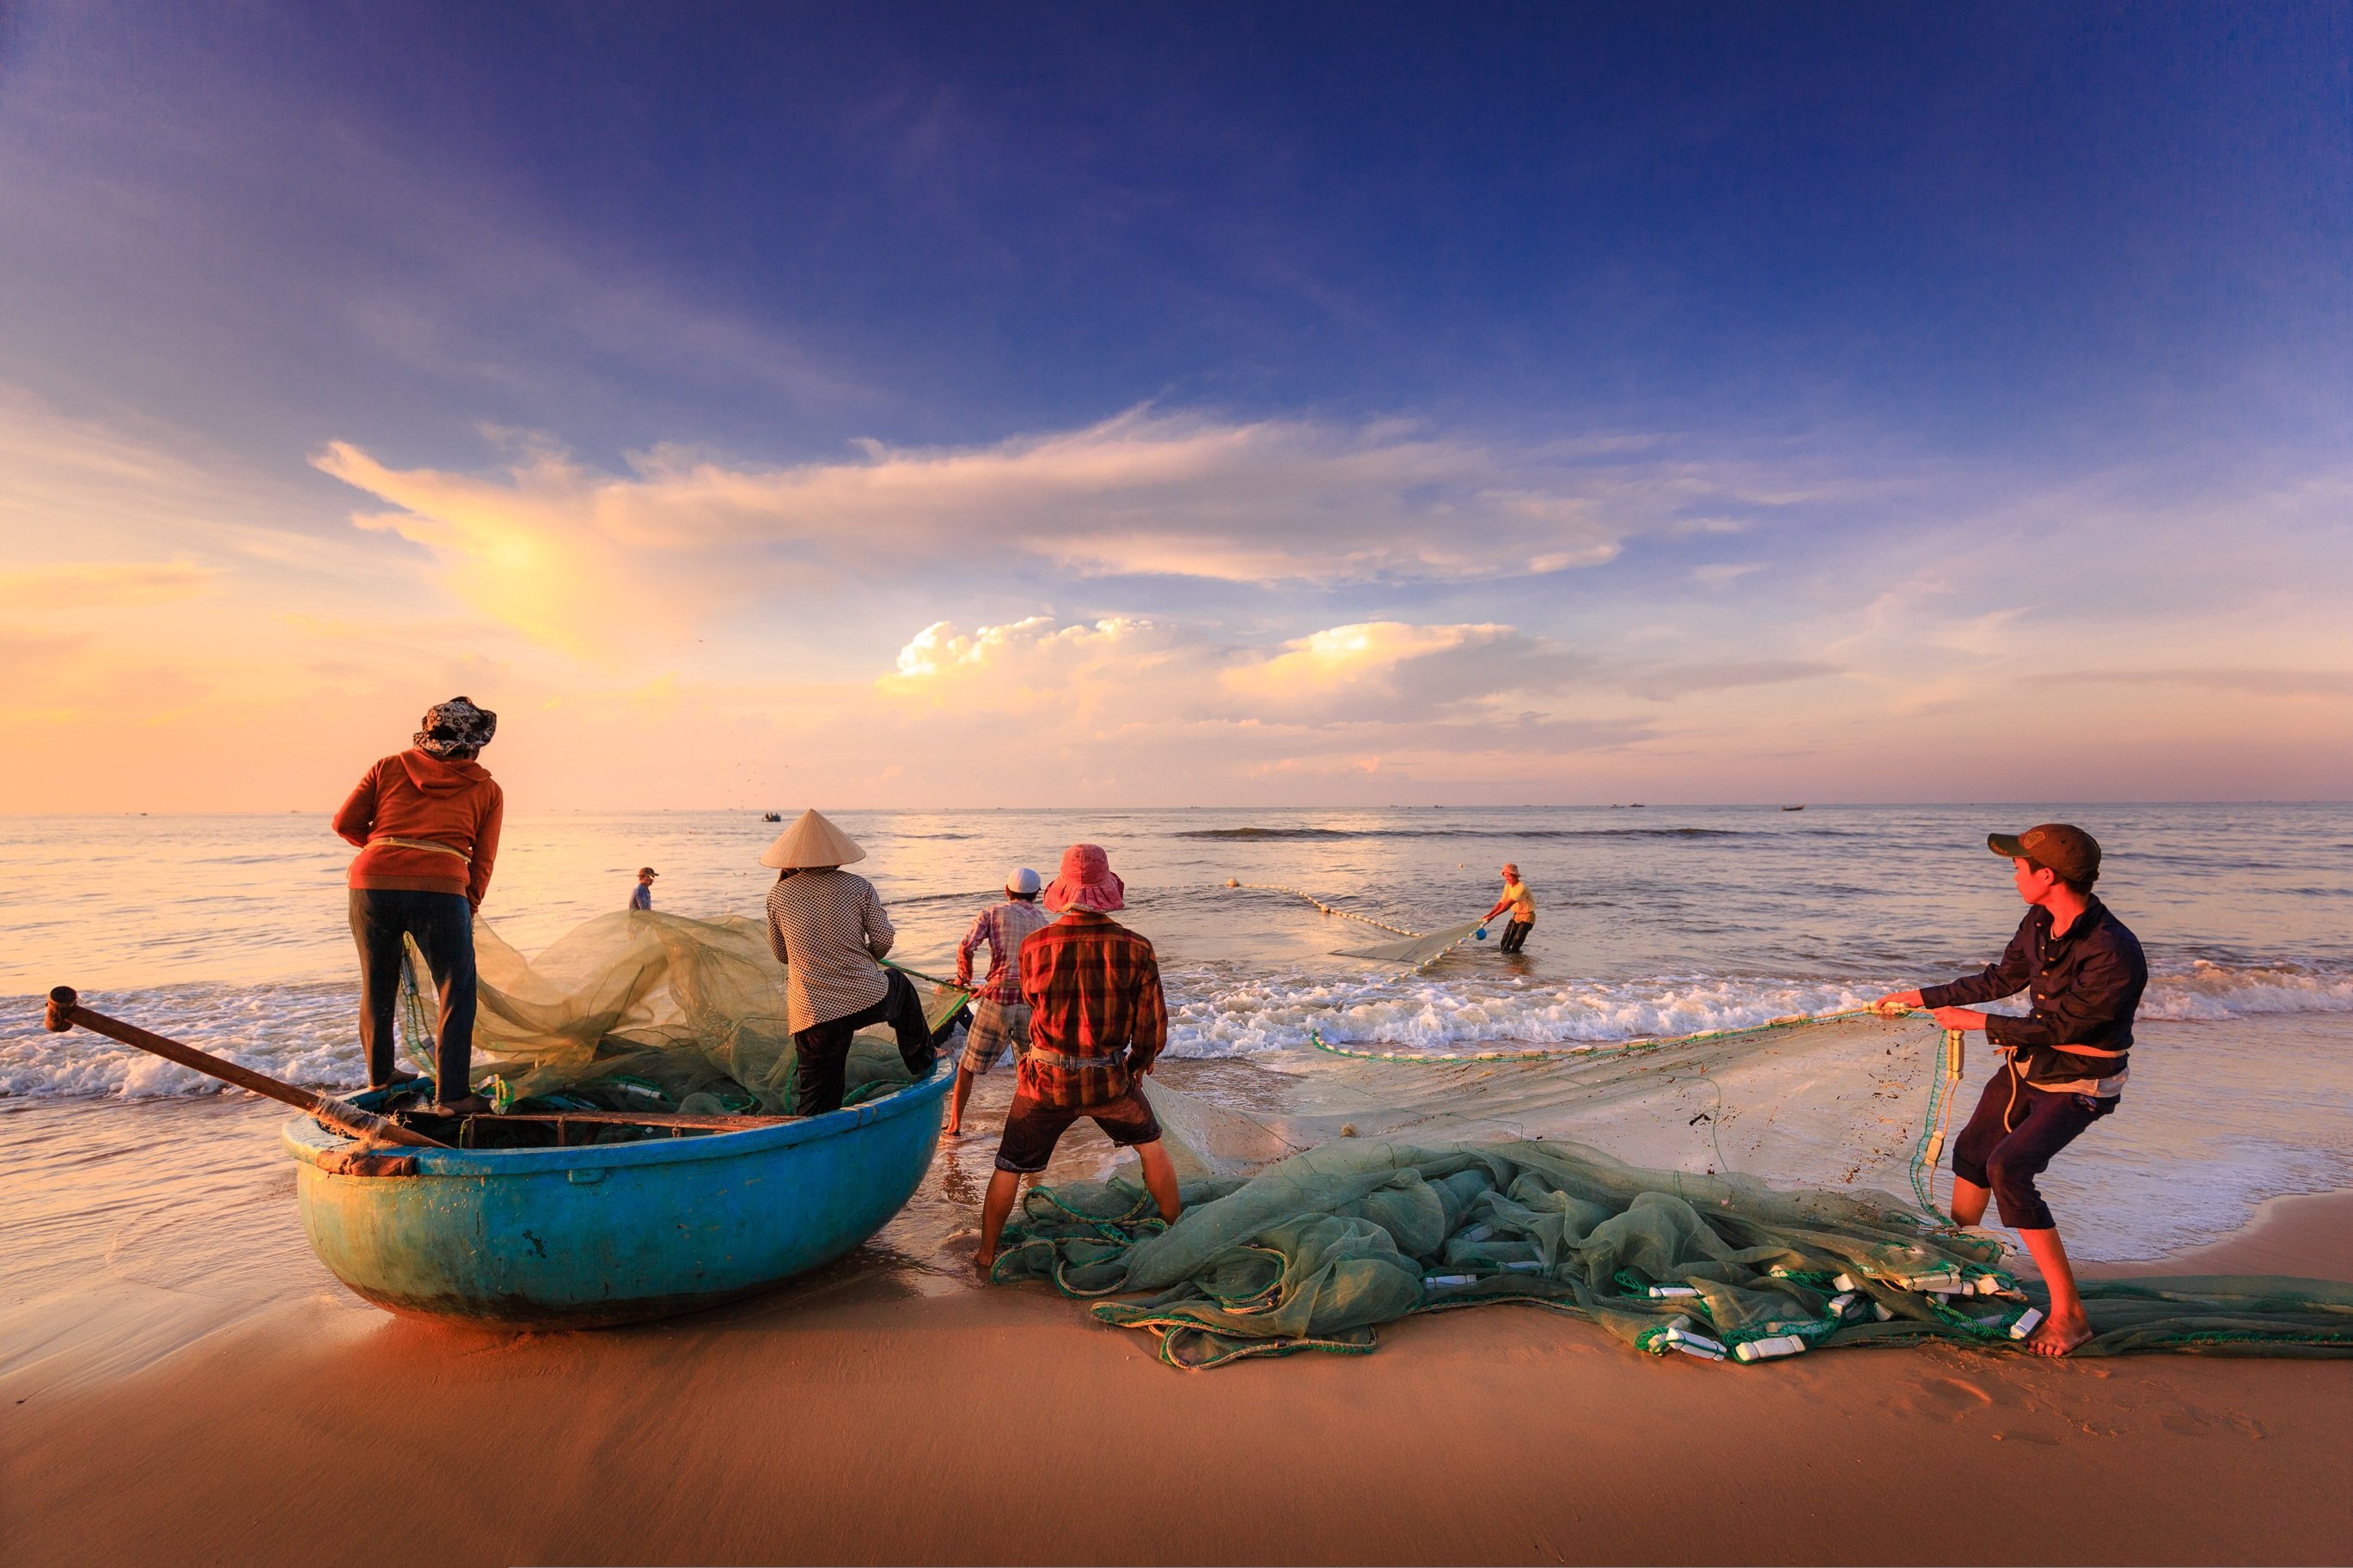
(2064,1062)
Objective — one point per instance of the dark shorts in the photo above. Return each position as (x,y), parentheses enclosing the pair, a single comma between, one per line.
(2012,1137)
(1032,1128)
(1515,935)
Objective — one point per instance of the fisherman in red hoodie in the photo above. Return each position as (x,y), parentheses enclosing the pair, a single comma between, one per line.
(428,821)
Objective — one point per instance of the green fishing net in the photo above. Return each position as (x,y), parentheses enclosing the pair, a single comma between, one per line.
(1417,952)
(640,1010)
(1318,1250)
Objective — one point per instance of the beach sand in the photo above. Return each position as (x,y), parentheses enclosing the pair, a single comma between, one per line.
(898,1412)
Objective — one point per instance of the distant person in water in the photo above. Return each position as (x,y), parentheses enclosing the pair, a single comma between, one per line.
(827,926)
(1523,905)
(427,820)
(1098,1021)
(641,897)
(2065,1062)
(999,1016)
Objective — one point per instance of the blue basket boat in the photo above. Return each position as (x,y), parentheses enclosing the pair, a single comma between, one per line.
(613,1233)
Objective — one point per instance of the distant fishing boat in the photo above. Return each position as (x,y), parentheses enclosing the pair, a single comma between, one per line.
(1793,808)
(772,817)
(610,1232)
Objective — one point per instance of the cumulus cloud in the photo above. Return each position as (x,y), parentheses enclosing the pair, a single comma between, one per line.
(1388,677)
(548,543)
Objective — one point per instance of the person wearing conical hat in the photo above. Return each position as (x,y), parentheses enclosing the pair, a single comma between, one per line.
(827,926)
(1098,1021)
(428,821)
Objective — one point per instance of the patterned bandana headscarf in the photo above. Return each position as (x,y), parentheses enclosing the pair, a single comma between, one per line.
(456,725)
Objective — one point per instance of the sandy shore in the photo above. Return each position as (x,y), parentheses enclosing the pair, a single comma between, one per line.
(887,1415)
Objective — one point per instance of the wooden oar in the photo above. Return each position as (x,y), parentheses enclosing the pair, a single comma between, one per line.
(66,1011)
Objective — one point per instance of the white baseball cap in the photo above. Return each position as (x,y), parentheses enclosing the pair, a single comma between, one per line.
(1023,882)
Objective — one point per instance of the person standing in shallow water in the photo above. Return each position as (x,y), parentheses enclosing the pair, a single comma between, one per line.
(427,821)
(1523,905)
(641,897)
(999,1016)
(2065,1062)
(1098,1022)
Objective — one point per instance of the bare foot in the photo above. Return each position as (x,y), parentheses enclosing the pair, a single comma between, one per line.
(984,1264)
(2059,1336)
(398,1079)
(952,1130)
(472,1105)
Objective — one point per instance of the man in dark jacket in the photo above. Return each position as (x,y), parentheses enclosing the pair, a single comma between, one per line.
(2066,1061)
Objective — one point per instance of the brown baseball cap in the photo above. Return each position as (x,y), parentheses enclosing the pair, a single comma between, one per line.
(2070,851)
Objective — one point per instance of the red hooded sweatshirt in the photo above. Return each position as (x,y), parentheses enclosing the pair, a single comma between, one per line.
(421,798)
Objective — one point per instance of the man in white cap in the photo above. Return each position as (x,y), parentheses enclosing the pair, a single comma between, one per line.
(827,926)
(999,1016)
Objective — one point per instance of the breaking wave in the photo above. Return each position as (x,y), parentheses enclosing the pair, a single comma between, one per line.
(2212,993)
(304,1032)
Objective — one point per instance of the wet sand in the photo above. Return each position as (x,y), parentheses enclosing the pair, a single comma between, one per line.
(185,1409)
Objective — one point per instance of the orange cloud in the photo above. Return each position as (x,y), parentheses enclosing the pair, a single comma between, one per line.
(553,548)
(101,585)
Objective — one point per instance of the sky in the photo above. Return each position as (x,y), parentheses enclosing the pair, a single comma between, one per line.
(1295,406)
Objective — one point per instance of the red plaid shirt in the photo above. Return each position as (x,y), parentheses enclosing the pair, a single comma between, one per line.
(1096,1013)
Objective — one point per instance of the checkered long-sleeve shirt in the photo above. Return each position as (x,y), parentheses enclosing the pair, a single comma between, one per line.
(1004,926)
(827,928)
(1097,1015)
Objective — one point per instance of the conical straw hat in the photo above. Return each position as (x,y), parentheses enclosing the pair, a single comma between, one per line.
(811,842)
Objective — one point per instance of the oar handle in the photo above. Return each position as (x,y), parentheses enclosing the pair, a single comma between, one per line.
(66,1011)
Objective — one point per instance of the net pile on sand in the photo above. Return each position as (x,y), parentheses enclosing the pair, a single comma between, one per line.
(1319,1249)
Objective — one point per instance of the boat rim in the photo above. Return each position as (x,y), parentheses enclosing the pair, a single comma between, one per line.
(309,1141)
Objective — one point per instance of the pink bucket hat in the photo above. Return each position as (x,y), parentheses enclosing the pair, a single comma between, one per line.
(1086,883)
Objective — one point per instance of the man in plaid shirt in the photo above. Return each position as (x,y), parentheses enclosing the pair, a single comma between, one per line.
(1097,1020)
(999,1016)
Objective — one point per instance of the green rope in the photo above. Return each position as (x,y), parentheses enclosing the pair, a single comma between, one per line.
(1942,1089)
(904,969)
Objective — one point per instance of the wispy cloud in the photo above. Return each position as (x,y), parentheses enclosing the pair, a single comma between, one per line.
(2239,682)
(1146,494)
(102,584)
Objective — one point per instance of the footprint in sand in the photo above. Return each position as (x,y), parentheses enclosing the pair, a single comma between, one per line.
(1945,1398)
(2192,1421)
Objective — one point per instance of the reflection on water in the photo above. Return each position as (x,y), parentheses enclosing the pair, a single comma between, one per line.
(1835,892)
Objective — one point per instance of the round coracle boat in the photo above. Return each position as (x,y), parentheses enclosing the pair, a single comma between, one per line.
(610,1232)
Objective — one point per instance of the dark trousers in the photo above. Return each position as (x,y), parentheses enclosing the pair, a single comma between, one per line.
(824,1048)
(443,925)
(2011,1139)
(1515,935)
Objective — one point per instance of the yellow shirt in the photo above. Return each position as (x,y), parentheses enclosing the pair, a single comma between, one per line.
(1523,903)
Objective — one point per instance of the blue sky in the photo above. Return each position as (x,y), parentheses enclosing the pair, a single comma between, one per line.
(1681,394)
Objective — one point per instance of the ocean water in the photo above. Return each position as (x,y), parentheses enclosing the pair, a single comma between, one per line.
(230,933)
